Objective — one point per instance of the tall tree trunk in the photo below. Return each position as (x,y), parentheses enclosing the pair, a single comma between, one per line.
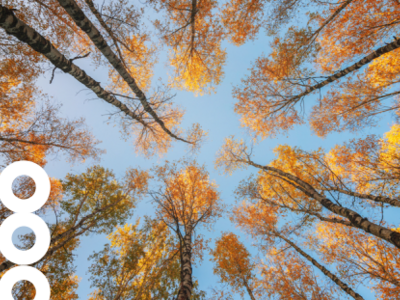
(185,291)
(87,26)
(37,42)
(324,270)
(355,219)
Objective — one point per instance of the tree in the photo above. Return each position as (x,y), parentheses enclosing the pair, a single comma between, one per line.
(288,196)
(233,264)
(32,129)
(299,183)
(186,199)
(271,98)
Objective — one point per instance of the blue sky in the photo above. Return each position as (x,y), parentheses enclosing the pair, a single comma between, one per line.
(216,115)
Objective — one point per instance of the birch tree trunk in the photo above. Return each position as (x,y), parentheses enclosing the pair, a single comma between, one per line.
(185,291)
(379,199)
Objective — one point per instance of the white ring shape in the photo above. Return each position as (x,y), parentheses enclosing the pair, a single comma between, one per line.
(37,225)
(30,274)
(37,173)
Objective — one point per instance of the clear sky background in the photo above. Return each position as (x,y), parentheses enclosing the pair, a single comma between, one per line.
(216,115)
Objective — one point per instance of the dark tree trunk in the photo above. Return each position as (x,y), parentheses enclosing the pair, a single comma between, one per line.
(185,291)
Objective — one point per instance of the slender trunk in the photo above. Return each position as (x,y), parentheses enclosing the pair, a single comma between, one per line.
(37,42)
(324,270)
(334,15)
(87,26)
(354,218)
(366,60)
(379,199)
(193,24)
(249,291)
(15,140)
(185,291)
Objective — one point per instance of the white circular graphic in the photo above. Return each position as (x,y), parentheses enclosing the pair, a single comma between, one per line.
(24,273)
(37,173)
(37,225)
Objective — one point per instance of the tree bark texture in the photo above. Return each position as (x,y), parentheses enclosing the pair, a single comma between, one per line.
(185,291)
(379,199)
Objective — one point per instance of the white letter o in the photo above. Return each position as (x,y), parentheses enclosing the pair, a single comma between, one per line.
(42,182)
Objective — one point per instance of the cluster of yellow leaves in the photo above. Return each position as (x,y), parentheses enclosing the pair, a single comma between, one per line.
(139,61)
(196,72)
(233,262)
(385,70)
(194,35)
(286,276)
(267,102)
(350,36)
(242,19)
(190,195)
(371,164)
(136,264)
